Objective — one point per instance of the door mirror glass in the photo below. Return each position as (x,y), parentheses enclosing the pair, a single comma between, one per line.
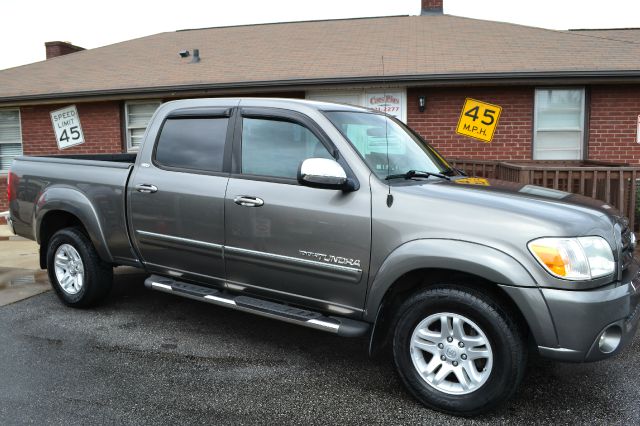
(322,173)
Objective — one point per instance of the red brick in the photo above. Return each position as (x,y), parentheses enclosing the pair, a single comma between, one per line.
(100,124)
(437,124)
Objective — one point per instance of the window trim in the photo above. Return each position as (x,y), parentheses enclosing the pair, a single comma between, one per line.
(583,122)
(280,114)
(5,171)
(127,127)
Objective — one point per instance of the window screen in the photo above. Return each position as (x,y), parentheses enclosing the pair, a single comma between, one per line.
(559,124)
(276,148)
(193,143)
(10,137)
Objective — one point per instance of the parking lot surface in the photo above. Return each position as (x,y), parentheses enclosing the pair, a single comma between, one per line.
(151,358)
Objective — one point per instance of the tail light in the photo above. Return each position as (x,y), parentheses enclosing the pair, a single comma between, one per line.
(11,180)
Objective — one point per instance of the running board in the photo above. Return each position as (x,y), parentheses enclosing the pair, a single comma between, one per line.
(341,326)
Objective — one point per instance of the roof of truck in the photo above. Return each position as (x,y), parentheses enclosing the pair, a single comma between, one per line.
(254,102)
(429,48)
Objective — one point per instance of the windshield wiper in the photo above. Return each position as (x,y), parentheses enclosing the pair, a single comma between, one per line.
(417,173)
(452,171)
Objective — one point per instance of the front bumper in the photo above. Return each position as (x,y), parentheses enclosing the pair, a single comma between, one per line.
(580,318)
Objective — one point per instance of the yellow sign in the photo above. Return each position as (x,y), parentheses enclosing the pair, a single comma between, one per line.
(478,120)
(473,181)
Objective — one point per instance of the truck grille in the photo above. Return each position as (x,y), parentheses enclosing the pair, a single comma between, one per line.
(626,252)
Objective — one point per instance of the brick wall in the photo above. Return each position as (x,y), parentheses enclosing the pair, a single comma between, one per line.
(437,124)
(613,124)
(100,124)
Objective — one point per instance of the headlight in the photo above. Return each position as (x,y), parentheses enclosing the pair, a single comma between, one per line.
(582,258)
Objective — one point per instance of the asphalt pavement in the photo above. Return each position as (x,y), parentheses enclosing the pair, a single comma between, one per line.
(152,358)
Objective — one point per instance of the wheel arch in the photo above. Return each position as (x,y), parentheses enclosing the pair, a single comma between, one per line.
(411,268)
(59,208)
(422,279)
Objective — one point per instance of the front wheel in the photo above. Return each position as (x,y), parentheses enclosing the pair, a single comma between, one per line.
(457,351)
(77,274)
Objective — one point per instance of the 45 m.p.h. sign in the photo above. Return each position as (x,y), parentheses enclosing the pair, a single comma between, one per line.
(478,120)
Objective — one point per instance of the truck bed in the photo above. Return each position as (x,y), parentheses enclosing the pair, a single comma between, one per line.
(98,185)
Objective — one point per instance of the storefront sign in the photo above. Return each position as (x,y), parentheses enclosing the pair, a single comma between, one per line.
(66,125)
(387,102)
(478,120)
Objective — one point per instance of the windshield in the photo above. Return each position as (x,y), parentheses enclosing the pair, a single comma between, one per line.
(378,137)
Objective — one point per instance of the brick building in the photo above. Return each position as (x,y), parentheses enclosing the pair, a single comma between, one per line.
(565,95)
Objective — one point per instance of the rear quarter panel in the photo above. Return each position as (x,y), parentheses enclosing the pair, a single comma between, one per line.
(94,191)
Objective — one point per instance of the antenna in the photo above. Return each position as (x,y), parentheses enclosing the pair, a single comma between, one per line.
(386,133)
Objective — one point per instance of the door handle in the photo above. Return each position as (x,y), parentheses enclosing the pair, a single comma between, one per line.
(146,188)
(247,201)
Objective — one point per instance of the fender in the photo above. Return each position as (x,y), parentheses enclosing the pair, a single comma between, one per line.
(71,200)
(464,256)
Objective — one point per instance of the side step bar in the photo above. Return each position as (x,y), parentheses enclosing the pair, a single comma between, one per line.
(341,326)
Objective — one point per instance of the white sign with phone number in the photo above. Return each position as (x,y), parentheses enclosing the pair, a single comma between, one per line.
(66,125)
(389,102)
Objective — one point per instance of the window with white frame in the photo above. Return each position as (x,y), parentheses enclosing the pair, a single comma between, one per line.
(138,114)
(559,124)
(10,137)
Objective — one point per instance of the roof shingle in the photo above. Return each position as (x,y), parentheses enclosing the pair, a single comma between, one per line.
(425,46)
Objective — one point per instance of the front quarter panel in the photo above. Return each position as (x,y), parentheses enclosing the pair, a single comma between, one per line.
(463,256)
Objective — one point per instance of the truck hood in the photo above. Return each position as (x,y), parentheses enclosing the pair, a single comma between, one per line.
(550,211)
(538,193)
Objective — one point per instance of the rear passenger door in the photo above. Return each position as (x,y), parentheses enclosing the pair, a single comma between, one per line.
(177,199)
(285,240)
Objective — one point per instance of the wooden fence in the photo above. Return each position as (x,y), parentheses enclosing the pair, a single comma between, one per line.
(611,183)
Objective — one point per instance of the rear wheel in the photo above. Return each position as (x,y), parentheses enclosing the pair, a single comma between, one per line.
(77,274)
(457,351)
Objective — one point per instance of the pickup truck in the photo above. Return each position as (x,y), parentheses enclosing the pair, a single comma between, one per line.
(344,220)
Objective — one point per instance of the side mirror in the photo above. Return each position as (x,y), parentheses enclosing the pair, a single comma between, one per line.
(322,173)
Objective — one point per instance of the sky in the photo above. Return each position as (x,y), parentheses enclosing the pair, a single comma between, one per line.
(26,24)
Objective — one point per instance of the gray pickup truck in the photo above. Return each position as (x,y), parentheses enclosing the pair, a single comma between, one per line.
(344,220)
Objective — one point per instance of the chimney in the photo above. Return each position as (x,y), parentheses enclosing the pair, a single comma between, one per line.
(196,56)
(432,7)
(59,48)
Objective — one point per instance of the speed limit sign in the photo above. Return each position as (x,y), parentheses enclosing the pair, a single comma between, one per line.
(478,120)
(66,125)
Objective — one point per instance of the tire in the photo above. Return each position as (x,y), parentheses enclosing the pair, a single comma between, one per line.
(81,278)
(468,387)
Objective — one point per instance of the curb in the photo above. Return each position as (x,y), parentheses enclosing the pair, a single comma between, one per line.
(12,238)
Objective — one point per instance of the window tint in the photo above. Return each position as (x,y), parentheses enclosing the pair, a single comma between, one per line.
(193,143)
(276,148)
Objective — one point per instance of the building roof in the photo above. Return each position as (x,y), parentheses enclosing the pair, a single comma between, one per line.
(631,35)
(415,48)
